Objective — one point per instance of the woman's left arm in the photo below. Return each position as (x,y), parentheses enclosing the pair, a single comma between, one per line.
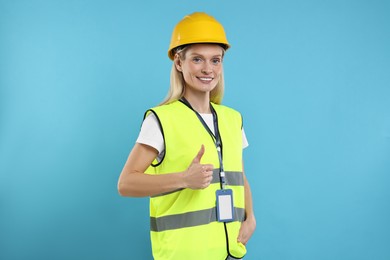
(249,224)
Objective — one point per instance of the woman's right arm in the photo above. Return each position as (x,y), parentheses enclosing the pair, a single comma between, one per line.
(134,182)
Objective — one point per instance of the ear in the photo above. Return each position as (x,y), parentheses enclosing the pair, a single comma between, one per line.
(178,63)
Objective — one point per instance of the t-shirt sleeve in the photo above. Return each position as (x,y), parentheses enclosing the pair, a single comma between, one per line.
(150,133)
(245,143)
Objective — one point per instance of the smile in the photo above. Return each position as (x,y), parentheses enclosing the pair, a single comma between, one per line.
(205,79)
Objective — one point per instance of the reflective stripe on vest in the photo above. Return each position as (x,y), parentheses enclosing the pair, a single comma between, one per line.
(190,219)
(232,178)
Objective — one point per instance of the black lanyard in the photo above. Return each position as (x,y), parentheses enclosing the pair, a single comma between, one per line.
(216,137)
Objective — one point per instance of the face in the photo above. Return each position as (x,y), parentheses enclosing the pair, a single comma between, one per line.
(201,66)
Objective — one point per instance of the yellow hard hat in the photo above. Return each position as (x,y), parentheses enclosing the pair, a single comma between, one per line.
(197,28)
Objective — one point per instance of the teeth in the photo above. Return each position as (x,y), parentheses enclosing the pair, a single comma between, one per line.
(206,79)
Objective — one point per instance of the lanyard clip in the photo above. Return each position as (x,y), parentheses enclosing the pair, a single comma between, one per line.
(223,180)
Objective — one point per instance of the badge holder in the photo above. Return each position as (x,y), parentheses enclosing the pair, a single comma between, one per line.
(225,205)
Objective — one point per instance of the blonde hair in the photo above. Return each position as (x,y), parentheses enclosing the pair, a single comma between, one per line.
(177,86)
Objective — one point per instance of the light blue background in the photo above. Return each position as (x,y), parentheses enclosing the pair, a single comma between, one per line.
(311,78)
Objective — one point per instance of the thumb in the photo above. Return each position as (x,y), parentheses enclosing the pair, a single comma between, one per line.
(199,155)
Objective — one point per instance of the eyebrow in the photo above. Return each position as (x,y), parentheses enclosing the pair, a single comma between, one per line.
(197,54)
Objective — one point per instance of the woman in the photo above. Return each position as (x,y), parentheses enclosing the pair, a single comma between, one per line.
(188,156)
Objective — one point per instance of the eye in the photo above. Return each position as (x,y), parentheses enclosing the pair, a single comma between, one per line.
(196,59)
(216,61)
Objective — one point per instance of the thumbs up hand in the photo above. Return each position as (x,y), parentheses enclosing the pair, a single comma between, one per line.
(198,176)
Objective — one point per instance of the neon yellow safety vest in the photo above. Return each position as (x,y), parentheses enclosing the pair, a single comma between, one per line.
(184,225)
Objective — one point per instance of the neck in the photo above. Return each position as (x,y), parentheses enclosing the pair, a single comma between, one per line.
(200,104)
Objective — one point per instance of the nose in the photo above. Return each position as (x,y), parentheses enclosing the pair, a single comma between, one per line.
(206,68)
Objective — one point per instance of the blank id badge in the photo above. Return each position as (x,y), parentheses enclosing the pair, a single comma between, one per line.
(225,205)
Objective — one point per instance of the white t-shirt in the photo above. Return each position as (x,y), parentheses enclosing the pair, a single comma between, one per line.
(151,135)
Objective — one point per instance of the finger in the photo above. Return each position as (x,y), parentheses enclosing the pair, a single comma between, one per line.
(210,175)
(242,240)
(240,235)
(208,167)
(239,238)
(198,157)
(206,184)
